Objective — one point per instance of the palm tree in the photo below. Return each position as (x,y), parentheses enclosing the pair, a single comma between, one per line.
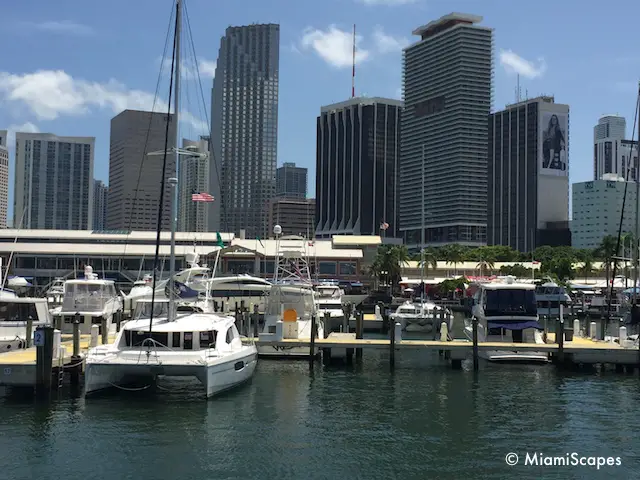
(606,251)
(485,264)
(428,259)
(388,261)
(453,254)
(587,266)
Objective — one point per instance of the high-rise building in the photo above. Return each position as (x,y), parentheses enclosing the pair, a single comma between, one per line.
(447,99)
(597,210)
(611,152)
(4,178)
(528,175)
(357,154)
(294,215)
(53,182)
(244,129)
(134,176)
(100,197)
(291,181)
(194,178)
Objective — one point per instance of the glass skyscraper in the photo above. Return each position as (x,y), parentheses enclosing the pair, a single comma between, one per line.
(244,129)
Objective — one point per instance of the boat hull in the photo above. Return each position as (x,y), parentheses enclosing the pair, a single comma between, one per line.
(508,356)
(272,351)
(217,376)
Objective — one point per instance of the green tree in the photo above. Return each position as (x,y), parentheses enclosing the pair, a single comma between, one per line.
(388,262)
(453,254)
(605,252)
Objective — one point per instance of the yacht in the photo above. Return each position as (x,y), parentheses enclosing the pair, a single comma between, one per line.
(549,297)
(92,299)
(55,294)
(329,300)
(141,289)
(507,312)
(228,291)
(14,315)
(421,315)
(187,343)
(291,302)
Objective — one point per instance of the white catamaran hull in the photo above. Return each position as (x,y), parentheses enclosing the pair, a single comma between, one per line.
(507,356)
(217,374)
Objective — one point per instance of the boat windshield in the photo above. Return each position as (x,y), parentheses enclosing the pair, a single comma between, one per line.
(330,306)
(510,301)
(17,312)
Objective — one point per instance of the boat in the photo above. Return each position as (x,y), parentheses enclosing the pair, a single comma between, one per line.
(14,316)
(291,303)
(171,342)
(91,300)
(227,292)
(507,312)
(422,315)
(549,297)
(55,293)
(329,297)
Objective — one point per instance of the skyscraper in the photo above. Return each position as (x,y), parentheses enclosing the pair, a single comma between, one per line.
(291,181)
(528,175)
(357,156)
(447,100)
(134,134)
(100,197)
(611,151)
(244,129)
(194,178)
(4,178)
(53,182)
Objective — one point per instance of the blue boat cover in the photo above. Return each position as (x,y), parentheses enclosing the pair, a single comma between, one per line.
(516,325)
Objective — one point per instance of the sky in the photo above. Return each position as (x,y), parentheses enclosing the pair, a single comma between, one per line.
(70,66)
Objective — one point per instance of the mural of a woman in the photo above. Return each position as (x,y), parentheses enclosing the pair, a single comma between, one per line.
(552,146)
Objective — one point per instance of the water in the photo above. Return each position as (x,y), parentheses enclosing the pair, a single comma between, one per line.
(423,421)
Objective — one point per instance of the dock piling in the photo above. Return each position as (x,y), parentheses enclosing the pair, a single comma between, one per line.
(245,323)
(359,332)
(312,344)
(560,338)
(75,357)
(104,331)
(592,330)
(576,328)
(474,323)
(43,340)
(255,319)
(327,324)
(29,334)
(392,347)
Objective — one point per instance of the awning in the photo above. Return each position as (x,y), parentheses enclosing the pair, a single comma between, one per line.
(516,325)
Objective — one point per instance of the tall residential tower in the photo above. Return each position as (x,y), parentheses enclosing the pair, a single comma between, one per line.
(291,181)
(244,129)
(611,152)
(194,178)
(53,182)
(4,178)
(447,100)
(100,197)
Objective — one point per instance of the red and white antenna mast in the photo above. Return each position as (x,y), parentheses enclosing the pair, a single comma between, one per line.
(353,70)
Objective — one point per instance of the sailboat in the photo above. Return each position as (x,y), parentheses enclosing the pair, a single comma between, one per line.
(206,346)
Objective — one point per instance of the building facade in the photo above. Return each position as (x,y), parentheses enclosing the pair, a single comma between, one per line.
(291,181)
(53,186)
(134,176)
(597,210)
(4,178)
(528,175)
(295,216)
(244,128)
(612,154)
(357,155)
(447,99)
(100,198)
(194,178)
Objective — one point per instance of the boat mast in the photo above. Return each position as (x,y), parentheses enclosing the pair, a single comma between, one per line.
(637,229)
(422,238)
(174,181)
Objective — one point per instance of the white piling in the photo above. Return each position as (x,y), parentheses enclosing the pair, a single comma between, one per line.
(279,330)
(398,332)
(622,335)
(444,332)
(95,333)
(592,330)
(576,328)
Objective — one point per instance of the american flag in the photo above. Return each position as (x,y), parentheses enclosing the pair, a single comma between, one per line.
(384,226)
(201,197)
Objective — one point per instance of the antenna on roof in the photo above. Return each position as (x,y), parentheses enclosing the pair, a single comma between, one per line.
(353,69)
(518,91)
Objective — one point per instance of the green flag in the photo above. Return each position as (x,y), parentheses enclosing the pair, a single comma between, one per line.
(219,241)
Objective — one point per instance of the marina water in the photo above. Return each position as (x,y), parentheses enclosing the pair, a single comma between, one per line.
(424,420)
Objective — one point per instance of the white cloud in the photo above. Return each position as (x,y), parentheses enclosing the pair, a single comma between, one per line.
(206,68)
(65,27)
(388,43)
(390,3)
(514,63)
(49,94)
(27,127)
(334,46)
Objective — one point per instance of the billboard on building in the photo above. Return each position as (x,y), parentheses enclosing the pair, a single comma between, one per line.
(554,158)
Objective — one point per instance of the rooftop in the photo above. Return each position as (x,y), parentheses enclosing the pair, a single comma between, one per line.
(361,101)
(445,22)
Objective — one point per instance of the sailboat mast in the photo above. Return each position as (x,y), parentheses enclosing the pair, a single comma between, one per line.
(174,191)
(637,179)
(422,236)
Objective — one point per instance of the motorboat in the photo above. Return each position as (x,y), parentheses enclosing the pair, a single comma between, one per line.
(506,312)
(91,300)
(54,294)
(141,289)
(291,303)
(549,297)
(192,343)
(329,301)
(15,314)
(227,292)
(423,316)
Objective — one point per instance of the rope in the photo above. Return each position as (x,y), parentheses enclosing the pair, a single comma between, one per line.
(74,364)
(129,389)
